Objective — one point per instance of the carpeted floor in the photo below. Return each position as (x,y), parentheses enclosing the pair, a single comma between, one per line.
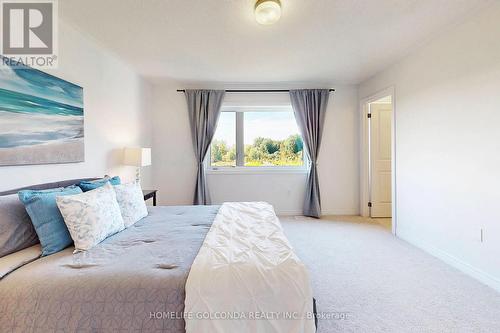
(366,280)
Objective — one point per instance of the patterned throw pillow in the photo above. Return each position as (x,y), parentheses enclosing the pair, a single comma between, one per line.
(92,216)
(131,202)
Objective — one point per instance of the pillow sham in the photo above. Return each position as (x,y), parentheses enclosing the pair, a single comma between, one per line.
(93,184)
(131,202)
(46,218)
(16,230)
(91,217)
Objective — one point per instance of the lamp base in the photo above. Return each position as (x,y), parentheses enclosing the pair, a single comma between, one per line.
(138,175)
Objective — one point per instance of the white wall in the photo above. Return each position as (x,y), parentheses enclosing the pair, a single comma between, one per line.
(174,167)
(447,104)
(116,113)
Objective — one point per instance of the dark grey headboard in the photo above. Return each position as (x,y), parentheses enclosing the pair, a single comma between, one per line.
(62,183)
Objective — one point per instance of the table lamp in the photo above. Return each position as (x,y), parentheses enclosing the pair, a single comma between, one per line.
(138,157)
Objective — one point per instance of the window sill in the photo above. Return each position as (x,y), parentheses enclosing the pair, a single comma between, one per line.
(255,170)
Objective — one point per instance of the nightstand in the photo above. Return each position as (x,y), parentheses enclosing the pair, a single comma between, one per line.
(148,194)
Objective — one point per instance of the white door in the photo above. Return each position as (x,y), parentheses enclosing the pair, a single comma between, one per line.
(380,156)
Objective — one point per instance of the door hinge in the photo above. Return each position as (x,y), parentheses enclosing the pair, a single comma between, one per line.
(369,204)
(368,115)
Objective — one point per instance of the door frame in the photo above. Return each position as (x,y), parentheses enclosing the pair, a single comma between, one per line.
(364,150)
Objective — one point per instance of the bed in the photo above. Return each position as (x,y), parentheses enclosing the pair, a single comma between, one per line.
(136,280)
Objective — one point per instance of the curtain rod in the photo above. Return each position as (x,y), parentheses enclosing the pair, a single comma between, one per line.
(253,91)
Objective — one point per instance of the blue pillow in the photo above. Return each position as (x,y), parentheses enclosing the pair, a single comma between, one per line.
(46,217)
(93,184)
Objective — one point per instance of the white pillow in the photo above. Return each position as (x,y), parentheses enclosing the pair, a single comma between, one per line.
(131,202)
(92,216)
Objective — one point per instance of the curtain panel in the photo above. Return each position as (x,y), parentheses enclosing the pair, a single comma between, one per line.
(204,110)
(309,107)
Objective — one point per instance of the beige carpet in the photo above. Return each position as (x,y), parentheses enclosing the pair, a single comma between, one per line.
(366,280)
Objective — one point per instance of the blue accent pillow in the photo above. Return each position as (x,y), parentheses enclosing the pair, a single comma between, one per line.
(93,184)
(46,217)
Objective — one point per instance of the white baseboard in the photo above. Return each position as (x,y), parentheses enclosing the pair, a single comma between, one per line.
(345,212)
(455,262)
(288,212)
(323,213)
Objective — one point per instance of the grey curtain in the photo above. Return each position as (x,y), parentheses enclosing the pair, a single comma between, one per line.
(309,107)
(204,110)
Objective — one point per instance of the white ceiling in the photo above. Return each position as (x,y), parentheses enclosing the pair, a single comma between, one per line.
(319,41)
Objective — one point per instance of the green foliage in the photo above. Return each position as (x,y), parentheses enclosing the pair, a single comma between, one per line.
(263,152)
(218,150)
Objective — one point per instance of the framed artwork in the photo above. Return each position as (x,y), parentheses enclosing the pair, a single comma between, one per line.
(41,118)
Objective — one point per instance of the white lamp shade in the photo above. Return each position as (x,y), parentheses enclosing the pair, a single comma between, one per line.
(138,157)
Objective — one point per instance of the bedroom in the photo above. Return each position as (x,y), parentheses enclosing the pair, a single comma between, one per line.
(432,267)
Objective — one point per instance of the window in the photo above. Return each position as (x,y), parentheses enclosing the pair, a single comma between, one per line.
(223,148)
(257,138)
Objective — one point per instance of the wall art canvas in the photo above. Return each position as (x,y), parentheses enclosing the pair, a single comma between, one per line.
(41,118)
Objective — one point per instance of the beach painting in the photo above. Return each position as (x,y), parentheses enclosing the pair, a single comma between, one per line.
(41,118)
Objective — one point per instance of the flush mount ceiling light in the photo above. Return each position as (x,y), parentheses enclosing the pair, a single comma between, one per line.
(267,11)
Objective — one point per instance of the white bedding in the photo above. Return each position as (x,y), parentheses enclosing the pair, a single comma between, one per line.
(246,277)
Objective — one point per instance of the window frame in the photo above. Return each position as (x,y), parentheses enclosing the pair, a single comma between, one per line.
(240,146)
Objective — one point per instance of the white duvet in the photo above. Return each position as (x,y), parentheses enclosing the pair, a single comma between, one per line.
(246,277)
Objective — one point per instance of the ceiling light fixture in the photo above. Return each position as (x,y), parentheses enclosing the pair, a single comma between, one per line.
(267,11)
